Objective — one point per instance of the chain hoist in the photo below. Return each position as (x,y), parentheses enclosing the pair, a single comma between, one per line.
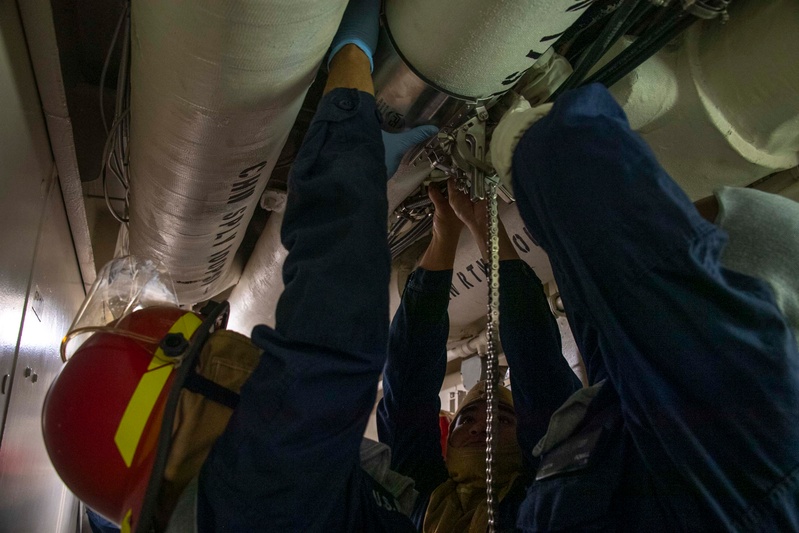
(460,153)
(492,357)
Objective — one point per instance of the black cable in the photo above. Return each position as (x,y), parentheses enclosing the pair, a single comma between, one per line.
(644,48)
(573,41)
(609,35)
(108,61)
(641,11)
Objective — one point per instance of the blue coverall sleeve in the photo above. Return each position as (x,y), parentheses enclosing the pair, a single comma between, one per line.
(407,416)
(541,379)
(289,458)
(704,364)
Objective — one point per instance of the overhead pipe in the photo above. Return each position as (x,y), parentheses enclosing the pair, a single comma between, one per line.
(216,86)
(434,57)
(437,61)
(473,49)
(721,108)
(477,345)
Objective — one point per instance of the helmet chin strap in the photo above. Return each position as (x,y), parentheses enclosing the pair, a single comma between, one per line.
(216,318)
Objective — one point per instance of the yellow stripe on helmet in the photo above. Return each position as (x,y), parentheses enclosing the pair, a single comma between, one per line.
(141,404)
(125,526)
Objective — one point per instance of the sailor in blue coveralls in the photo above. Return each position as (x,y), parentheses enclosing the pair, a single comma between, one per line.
(695,427)
(697,424)
(541,378)
(693,419)
(289,458)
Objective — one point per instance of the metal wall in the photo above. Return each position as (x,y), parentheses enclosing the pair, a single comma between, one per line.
(40,290)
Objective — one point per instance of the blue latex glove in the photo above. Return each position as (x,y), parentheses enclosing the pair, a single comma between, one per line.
(359,26)
(397,144)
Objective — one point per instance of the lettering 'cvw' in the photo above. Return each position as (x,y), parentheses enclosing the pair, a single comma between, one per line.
(242,188)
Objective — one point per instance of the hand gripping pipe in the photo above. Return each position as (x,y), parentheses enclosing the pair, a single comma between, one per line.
(215,88)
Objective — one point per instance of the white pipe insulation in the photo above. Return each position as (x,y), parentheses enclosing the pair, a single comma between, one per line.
(722,108)
(661,99)
(476,49)
(254,299)
(215,88)
(748,71)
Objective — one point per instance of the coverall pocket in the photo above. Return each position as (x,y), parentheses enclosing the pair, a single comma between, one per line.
(577,480)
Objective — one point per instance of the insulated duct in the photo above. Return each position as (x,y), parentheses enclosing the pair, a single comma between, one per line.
(215,87)
(722,108)
(473,49)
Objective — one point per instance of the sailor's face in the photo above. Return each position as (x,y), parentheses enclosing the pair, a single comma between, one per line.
(469,428)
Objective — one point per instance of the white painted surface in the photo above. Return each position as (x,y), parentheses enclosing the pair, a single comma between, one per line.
(476,48)
(721,105)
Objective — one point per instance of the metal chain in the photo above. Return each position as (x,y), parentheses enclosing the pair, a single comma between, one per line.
(492,333)
(462,153)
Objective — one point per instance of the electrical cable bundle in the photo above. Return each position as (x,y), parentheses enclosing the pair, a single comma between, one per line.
(676,20)
(115,157)
(658,23)
(621,20)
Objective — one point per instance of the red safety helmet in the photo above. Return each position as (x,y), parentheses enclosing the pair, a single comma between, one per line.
(103,414)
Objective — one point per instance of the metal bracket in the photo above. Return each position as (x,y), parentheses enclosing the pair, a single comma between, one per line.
(461,153)
(471,152)
(707,10)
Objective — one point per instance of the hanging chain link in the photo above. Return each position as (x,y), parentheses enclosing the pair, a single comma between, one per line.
(461,153)
(492,333)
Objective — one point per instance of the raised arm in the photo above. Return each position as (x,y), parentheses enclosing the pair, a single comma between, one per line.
(704,364)
(541,379)
(289,458)
(408,413)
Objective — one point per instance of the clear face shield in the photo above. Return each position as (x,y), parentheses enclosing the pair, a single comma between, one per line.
(124,285)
